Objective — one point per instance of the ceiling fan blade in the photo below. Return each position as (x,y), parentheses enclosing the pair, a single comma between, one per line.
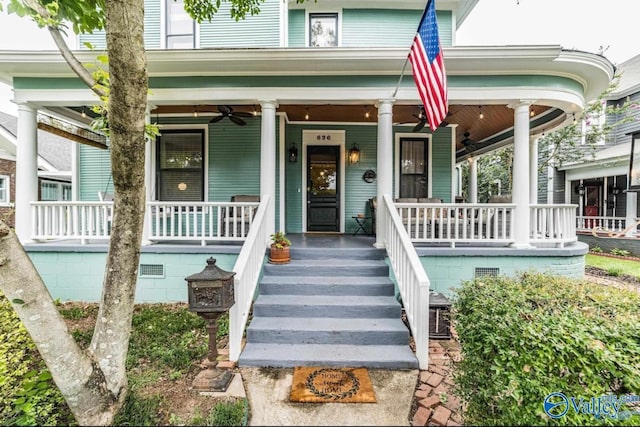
(419,126)
(237,120)
(216,119)
(224,109)
(242,114)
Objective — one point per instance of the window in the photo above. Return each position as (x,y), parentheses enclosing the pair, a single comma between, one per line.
(52,190)
(4,190)
(413,168)
(180,166)
(323,29)
(180,26)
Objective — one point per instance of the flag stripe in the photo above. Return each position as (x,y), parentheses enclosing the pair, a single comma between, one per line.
(428,68)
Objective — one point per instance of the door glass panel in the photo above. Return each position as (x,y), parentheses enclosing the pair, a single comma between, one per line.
(323,175)
(413,168)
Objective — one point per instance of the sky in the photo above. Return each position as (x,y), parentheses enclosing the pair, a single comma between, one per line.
(589,25)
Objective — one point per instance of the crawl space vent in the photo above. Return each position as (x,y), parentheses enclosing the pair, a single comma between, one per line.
(487,271)
(152,270)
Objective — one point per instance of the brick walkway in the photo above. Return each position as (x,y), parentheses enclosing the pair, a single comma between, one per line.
(434,401)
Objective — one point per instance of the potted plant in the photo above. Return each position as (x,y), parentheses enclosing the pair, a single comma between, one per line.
(279,253)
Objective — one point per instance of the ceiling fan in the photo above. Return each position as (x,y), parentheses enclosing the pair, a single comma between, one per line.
(468,144)
(235,117)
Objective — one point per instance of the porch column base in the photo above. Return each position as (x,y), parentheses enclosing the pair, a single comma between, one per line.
(378,245)
(521,246)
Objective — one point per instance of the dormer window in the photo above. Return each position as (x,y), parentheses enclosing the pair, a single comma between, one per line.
(181,28)
(323,30)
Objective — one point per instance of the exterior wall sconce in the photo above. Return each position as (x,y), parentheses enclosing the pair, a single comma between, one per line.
(354,154)
(614,190)
(293,153)
(580,189)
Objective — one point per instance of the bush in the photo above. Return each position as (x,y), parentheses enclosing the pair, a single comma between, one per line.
(620,252)
(527,337)
(28,395)
(596,249)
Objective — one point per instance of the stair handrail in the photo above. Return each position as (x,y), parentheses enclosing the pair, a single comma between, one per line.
(413,282)
(248,267)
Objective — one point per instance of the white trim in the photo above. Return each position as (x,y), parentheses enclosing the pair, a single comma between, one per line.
(338,138)
(184,127)
(281,172)
(6,201)
(396,155)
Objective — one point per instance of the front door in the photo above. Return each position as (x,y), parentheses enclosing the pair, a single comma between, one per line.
(323,195)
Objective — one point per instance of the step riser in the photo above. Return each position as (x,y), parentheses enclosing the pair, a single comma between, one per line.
(342,312)
(323,289)
(328,270)
(328,337)
(362,254)
(292,363)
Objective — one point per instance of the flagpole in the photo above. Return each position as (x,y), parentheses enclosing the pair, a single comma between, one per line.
(406,60)
(404,67)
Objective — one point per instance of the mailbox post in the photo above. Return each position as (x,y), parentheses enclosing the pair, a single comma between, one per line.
(210,295)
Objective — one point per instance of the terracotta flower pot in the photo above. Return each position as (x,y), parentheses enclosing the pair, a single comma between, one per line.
(279,256)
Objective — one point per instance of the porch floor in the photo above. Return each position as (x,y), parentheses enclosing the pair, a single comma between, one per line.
(325,240)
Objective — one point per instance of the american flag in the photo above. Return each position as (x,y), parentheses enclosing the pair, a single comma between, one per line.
(428,68)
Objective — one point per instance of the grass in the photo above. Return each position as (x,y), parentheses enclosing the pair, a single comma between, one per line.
(168,343)
(621,266)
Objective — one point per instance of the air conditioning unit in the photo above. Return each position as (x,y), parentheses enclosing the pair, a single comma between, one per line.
(439,316)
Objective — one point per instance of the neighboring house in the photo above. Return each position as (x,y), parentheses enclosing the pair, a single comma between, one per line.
(600,185)
(303,106)
(54,166)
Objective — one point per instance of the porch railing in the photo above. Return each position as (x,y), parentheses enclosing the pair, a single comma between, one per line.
(602,223)
(71,220)
(485,223)
(248,267)
(411,278)
(553,224)
(166,221)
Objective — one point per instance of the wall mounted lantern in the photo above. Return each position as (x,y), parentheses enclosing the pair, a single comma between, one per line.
(614,190)
(580,189)
(293,153)
(354,154)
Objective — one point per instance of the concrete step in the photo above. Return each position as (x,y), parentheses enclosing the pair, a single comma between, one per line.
(337,355)
(326,267)
(327,330)
(337,253)
(326,306)
(326,285)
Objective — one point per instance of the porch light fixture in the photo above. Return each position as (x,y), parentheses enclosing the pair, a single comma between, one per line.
(306,114)
(293,153)
(354,154)
(481,114)
(366,112)
(255,111)
(195,112)
(580,189)
(532,113)
(84,114)
(614,190)
(574,119)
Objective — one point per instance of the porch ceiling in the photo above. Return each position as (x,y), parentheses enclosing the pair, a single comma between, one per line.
(465,118)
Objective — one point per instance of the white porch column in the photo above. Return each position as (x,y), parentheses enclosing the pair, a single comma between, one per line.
(533,170)
(148,180)
(268,159)
(632,211)
(26,170)
(473,180)
(385,163)
(520,189)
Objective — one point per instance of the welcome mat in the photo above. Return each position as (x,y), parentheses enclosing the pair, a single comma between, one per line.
(331,385)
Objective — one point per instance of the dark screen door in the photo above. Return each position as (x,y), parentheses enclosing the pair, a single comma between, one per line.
(323,195)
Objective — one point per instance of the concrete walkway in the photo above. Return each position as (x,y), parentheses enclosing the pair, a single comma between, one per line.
(268,389)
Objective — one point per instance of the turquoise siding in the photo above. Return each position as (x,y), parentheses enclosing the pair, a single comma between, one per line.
(262,30)
(296,28)
(94,172)
(446,273)
(152,24)
(357,192)
(442,169)
(78,276)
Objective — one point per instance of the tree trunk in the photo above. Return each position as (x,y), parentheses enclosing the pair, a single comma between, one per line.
(126,118)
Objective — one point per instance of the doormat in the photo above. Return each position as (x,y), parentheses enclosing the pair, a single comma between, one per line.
(331,385)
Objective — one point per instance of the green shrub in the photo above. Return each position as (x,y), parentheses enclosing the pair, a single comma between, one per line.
(28,395)
(614,271)
(597,249)
(620,252)
(527,337)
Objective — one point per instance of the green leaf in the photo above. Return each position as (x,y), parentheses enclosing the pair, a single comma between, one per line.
(17,301)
